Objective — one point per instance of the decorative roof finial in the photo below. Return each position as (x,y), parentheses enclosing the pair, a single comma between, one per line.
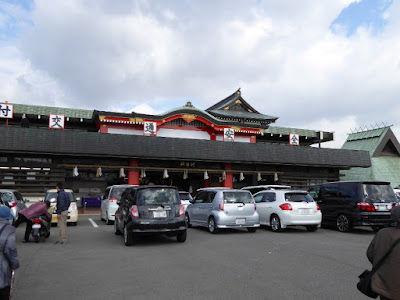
(189,104)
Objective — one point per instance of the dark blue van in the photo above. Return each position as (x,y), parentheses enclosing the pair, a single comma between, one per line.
(345,204)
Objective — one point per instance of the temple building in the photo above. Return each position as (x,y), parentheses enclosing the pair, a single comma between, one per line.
(229,144)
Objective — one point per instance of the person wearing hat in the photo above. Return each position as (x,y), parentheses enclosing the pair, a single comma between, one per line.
(386,280)
(9,255)
(24,121)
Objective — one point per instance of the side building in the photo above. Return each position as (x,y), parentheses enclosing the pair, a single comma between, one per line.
(384,151)
(229,144)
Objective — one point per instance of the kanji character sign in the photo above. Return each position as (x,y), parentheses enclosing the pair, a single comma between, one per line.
(56,121)
(294,139)
(6,110)
(229,134)
(150,128)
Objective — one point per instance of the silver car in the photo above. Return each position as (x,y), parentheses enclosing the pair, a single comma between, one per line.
(14,200)
(218,208)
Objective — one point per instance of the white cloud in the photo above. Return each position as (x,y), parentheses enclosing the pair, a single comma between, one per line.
(282,53)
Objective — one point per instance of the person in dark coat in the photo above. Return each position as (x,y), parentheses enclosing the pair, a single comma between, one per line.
(386,280)
(26,215)
(24,121)
(63,203)
(8,252)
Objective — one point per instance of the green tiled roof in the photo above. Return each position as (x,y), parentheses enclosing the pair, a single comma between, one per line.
(366,140)
(47,110)
(287,131)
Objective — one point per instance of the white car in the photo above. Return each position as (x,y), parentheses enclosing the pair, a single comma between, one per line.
(186,198)
(51,195)
(257,188)
(109,201)
(282,208)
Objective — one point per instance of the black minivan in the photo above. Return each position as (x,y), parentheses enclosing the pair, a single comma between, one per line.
(346,204)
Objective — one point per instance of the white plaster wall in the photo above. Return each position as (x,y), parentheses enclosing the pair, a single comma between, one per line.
(185,134)
(125,131)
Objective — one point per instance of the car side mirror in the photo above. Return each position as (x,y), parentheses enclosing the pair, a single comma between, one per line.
(191,201)
(119,202)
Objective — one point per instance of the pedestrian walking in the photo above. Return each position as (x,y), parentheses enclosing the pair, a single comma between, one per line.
(386,280)
(24,121)
(26,215)
(63,202)
(8,252)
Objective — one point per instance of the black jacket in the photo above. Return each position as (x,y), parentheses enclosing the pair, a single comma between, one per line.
(63,202)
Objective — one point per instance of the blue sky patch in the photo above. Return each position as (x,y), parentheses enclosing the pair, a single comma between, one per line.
(366,13)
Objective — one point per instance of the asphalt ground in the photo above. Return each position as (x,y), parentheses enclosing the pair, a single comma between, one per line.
(233,264)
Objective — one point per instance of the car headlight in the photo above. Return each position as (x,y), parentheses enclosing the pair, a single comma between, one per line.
(72,207)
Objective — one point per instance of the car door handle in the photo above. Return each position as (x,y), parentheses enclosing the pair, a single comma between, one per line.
(210,207)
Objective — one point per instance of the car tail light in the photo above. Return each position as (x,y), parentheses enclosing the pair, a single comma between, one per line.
(181,210)
(134,212)
(113,200)
(318,208)
(36,221)
(12,203)
(286,206)
(365,206)
(221,204)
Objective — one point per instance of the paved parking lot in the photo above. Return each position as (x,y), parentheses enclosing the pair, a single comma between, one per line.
(233,264)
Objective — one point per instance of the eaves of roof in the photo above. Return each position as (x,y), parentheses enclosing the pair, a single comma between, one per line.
(92,144)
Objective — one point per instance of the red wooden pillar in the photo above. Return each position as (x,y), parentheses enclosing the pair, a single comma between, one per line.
(103,129)
(253,139)
(133,175)
(228,182)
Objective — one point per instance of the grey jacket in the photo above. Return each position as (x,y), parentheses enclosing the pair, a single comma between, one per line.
(386,280)
(8,253)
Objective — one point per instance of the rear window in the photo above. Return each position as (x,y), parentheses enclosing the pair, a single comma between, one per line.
(117,193)
(378,193)
(185,196)
(298,197)
(158,196)
(52,197)
(238,197)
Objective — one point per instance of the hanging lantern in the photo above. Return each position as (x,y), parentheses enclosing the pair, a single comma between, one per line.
(165,175)
(121,173)
(205,175)
(143,173)
(185,174)
(241,177)
(276,177)
(224,175)
(259,177)
(75,172)
(99,173)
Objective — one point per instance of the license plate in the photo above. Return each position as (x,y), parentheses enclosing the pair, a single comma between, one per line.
(54,219)
(240,221)
(382,207)
(159,214)
(36,226)
(305,211)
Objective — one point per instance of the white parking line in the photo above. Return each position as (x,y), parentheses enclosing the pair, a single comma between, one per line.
(93,223)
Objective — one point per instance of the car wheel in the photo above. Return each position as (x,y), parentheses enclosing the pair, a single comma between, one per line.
(128,237)
(187,219)
(116,230)
(74,223)
(181,237)
(376,228)
(276,223)
(108,222)
(343,223)
(252,229)
(312,228)
(212,226)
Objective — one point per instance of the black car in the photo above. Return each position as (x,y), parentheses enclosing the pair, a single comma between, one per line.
(150,210)
(346,204)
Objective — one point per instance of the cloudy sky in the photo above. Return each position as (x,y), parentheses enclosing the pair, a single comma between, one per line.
(323,65)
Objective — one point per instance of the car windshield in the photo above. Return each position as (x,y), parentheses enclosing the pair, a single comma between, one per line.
(379,193)
(117,193)
(237,197)
(185,196)
(158,196)
(298,197)
(52,197)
